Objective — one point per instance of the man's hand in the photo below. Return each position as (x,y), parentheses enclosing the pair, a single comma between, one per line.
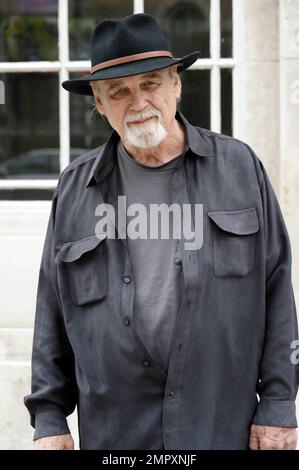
(63,442)
(272,438)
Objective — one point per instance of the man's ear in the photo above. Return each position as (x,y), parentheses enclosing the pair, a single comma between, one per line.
(99,104)
(97,99)
(177,83)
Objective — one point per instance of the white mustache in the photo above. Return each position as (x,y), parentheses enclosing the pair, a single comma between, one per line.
(142,115)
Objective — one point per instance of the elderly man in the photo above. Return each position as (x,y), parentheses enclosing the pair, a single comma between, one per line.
(161,344)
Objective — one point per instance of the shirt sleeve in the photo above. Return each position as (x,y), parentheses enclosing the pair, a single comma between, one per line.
(277,385)
(53,392)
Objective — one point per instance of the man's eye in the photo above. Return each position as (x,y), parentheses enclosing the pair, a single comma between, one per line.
(150,85)
(119,93)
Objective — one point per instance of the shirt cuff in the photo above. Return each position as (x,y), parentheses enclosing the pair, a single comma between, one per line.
(50,423)
(278,413)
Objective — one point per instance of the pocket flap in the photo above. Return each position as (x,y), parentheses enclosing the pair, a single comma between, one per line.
(72,251)
(239,222)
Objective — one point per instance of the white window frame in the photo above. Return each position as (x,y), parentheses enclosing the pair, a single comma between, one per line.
(64,66)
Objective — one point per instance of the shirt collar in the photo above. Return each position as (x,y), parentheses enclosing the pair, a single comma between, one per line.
(106,160)
(195,141)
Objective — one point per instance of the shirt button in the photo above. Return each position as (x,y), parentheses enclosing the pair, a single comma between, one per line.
(146,363)
(127,279)
(172,392)
(126,321)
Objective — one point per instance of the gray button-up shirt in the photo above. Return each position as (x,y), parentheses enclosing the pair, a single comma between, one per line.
(229,363)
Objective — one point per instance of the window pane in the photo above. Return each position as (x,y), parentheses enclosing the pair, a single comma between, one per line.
(226,101)
(28,30)
(226,28)
(195,102)
(83,16)
(88,128)
(185,23)
(26,194)
(29,129)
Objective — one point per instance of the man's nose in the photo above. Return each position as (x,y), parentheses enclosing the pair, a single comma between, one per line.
(138,100)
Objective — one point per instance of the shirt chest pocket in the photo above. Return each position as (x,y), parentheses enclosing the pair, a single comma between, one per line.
(85,265)
(234,236)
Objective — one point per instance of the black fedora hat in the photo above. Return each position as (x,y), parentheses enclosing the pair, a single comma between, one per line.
(127,46)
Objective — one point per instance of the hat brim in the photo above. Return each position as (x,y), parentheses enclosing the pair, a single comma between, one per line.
(81,85)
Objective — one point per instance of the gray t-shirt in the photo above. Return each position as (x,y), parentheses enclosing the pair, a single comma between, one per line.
(156,262)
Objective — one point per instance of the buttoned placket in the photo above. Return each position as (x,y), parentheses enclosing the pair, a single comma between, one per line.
(180,342)
(145,358)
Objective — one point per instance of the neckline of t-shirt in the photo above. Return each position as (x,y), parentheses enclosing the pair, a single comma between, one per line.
(168,166)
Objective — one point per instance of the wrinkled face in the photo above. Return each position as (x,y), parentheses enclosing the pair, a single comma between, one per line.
(141,108)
